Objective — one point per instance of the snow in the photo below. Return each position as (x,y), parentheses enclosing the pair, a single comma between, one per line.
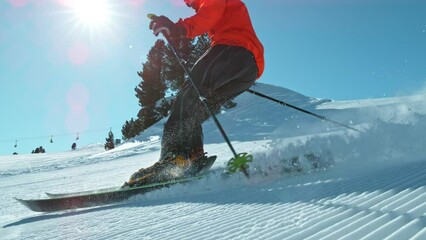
(374,187)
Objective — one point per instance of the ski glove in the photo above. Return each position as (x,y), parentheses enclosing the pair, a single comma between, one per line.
(165,25)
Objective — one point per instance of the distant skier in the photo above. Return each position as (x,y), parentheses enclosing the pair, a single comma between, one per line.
(228,68)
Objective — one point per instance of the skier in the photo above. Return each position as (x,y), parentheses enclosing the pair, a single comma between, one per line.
(229,67)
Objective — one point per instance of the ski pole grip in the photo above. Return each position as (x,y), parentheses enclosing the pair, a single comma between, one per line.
(164,31)
(151,15)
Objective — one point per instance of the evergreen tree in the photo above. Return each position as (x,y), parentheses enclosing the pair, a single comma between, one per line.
(109,141)
(160,73)
(173,72)
(164,107)
(131,128)
(190,50)
(201,46)
(152,88)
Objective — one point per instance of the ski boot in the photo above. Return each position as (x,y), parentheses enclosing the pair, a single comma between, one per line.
(170,167)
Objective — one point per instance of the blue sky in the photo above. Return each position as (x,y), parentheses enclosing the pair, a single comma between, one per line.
(68,70)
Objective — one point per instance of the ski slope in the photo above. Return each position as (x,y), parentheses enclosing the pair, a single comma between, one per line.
(372,188)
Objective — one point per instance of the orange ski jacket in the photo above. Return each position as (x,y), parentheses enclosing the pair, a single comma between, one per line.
(226,22)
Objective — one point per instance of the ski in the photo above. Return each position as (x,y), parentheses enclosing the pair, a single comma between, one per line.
(102,190)
(102,197)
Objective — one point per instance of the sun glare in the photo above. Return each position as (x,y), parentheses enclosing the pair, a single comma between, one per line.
(92,13)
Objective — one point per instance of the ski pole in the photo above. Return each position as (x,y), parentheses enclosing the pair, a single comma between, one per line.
(238,158)
(301,110)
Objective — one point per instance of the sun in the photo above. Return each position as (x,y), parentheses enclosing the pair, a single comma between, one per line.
(92,13)
(94,18)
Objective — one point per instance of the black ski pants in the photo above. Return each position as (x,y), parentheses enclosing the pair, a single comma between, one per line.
(222,73)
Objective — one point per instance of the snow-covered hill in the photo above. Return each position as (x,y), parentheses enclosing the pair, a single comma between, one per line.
(373,187)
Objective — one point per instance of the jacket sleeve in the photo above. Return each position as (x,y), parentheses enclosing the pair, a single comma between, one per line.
(208,14)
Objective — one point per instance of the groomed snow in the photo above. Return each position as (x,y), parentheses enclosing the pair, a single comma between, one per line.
(374,189)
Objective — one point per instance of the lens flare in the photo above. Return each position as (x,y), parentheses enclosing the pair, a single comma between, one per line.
(78,54)
(18,3)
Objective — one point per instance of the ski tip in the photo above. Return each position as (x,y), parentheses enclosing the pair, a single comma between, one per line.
(151,15)
(50,194)
(27,203)
(21,201)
